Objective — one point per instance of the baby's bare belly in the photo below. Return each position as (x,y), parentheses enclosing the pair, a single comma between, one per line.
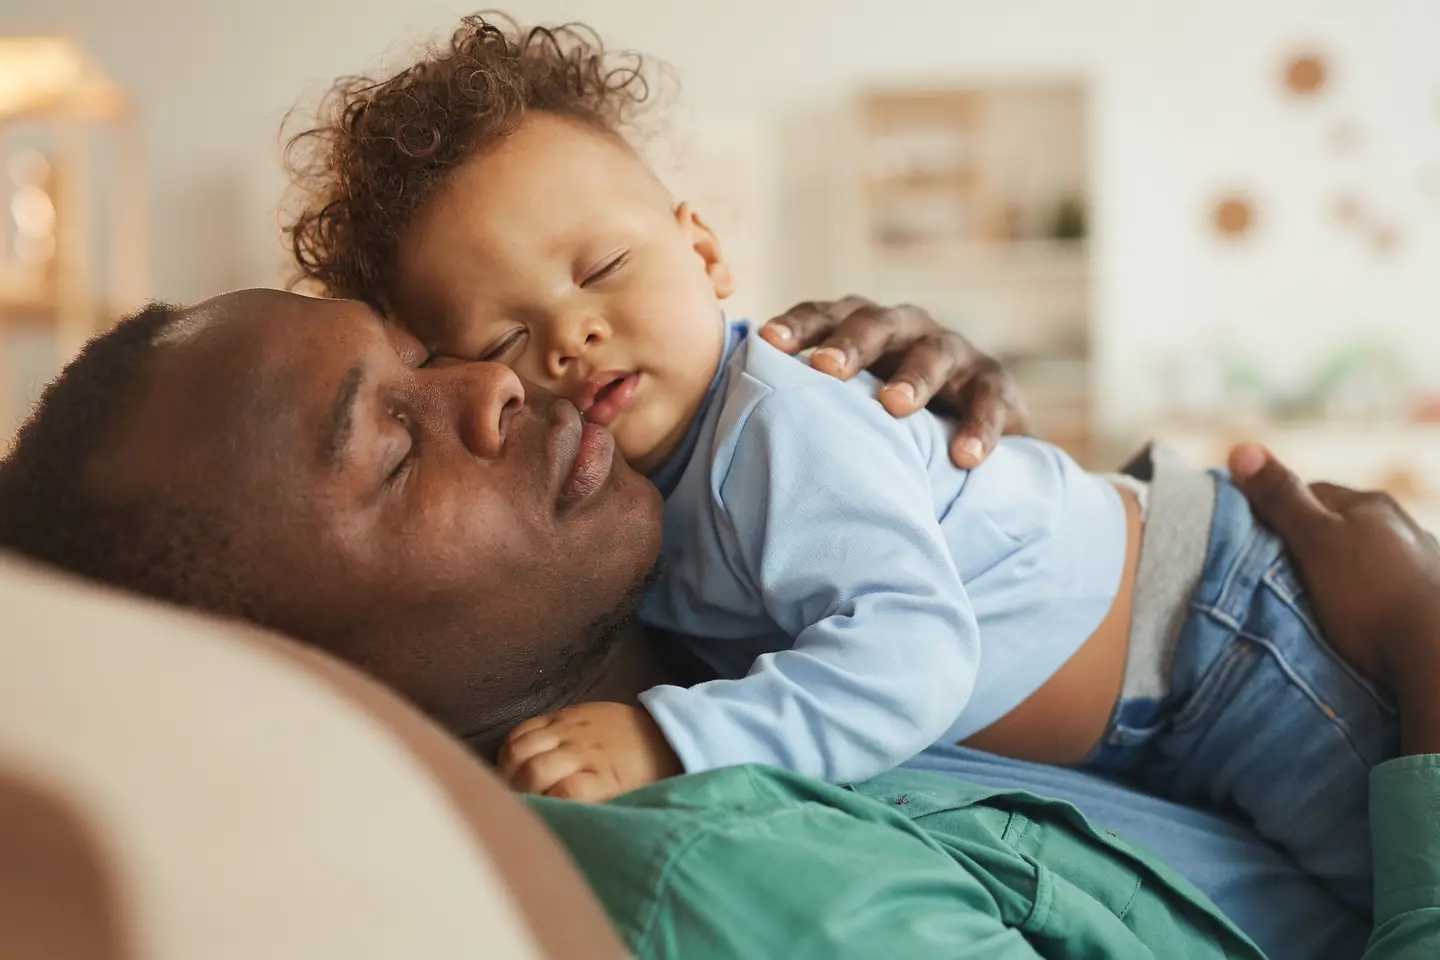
(1062,721)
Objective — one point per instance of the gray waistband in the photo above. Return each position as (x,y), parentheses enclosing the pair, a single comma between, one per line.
(1173,546)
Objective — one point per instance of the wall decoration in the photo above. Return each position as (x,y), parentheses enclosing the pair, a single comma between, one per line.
(1234,217)
(1305,74)
(1385,239)
(1347,210)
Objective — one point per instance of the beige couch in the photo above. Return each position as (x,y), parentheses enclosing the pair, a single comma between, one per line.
(176,787)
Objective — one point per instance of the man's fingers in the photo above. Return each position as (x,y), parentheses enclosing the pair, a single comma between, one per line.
(808,324)
(927,365)
(1336,498)
(986,409)
(541,773)
(1277,495)
(865,335)
(791,330)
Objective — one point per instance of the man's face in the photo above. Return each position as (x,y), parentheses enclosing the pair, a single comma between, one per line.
(466,543)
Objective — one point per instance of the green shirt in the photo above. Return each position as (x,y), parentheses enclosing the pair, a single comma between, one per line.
(752,863)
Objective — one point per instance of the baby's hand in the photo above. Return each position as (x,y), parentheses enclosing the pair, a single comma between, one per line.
(590,752)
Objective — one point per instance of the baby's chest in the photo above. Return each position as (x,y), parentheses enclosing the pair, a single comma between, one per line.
(702,587)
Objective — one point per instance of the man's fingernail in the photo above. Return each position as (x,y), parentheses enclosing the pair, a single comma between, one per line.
(781,331)
(904,390)
(836,357)
(1246,460)
(973,449)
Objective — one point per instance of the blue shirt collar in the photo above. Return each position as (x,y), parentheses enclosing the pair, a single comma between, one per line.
(668,474)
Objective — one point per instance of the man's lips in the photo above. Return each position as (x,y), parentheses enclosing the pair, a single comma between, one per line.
(584,454)
(606,395)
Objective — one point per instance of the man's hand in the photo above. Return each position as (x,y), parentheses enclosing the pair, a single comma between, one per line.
(1372,576)
(590,752)
(920,360)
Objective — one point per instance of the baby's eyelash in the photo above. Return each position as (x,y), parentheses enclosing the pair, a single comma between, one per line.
(606,270)
(500,349)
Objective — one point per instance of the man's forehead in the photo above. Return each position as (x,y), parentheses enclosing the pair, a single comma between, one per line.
(247,313)
(236,379)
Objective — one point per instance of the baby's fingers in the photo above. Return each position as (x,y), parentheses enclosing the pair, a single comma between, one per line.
(543,773)
(524,745)
(587,786)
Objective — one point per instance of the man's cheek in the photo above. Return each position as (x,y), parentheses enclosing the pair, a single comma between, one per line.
(498,515)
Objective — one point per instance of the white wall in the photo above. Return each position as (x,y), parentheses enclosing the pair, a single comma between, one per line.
(1186,102)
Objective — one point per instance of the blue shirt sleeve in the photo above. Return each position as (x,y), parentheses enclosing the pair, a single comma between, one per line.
(831,510)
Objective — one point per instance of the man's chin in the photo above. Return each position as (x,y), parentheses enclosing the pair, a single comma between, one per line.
(608,627)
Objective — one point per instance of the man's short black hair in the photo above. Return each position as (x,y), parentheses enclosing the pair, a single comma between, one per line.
(52,511)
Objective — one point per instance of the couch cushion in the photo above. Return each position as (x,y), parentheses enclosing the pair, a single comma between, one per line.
(204,789)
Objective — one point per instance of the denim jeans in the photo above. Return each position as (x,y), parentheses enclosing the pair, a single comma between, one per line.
(1262,716)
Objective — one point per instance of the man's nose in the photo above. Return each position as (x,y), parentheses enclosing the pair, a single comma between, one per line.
(572,335)
(489,397)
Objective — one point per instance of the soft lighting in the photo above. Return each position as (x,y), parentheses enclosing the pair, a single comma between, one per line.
(37,71)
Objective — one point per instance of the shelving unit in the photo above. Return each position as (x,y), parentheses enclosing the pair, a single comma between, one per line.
(971,201)
(54,105)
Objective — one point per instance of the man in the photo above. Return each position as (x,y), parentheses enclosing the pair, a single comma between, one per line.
(294,462)
(300,464)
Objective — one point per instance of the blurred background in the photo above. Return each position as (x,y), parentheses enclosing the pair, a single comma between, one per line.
(1202,221)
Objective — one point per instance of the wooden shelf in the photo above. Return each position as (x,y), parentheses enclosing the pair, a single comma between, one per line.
(925,181)
(1052,258)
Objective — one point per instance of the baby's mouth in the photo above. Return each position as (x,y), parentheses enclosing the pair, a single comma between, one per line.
(613,398)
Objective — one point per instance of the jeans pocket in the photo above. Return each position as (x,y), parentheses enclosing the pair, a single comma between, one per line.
(1215,686)
(1284,585)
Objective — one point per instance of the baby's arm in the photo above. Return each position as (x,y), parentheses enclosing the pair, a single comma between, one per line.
(833,518)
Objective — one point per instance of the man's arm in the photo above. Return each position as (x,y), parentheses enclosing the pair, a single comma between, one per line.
(1373,577)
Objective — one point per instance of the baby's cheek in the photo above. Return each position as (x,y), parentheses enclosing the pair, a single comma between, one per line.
(530,365)
(634,438)
(648,433)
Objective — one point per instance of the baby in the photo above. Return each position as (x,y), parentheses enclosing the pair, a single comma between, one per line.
(859,595)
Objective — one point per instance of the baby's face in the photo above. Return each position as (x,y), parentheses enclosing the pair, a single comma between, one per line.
(559,254)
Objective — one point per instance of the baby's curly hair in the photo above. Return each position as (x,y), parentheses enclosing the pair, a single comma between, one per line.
(382,147)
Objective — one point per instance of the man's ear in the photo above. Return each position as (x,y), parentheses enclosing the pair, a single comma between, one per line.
(707,246)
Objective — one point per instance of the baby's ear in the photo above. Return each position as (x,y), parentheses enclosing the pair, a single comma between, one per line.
(707,246)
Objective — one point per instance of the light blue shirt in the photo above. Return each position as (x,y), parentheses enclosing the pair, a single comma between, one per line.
(842,575)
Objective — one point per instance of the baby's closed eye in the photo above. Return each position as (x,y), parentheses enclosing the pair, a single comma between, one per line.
(439,361)
(506,348)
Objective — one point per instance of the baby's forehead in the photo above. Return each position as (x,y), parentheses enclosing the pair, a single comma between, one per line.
(550,154)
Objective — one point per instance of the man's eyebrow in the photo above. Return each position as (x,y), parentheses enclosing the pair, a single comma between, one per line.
(340,422)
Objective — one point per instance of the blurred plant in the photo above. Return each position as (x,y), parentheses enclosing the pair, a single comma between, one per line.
(1070,219)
